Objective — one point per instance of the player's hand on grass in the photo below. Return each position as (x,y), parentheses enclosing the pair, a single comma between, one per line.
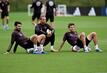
(6,53)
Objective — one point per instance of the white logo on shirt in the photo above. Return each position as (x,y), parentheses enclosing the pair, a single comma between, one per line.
(51,3)
(38,3)
(20,34)
(71,35)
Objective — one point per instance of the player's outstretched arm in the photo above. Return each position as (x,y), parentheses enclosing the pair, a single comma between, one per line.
(61,45)
(10,45)
(32,5)
(15,48)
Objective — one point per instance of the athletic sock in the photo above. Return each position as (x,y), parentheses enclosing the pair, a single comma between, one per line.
(35,47)
(52,47)
(41,47)
(86,48)
(96,47)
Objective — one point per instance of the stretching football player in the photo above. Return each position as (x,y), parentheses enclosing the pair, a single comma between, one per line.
(79,41)
(29,44)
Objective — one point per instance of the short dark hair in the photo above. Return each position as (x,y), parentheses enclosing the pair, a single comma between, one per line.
(70,24)
(42,17)
(17,22)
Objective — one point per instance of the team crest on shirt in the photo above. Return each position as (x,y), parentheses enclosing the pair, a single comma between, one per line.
(20,34)
(51,3)
(38,3)
(45,27)
(2,4)
(71,34)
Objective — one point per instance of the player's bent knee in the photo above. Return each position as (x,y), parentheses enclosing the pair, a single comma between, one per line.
(83,34)
(43,36)
(94,33)
(33,37)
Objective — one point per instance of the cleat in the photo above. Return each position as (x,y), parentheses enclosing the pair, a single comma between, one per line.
(5,27)
(89,49)
(86,49)
(53,50)
(98,50)
(44,52)
(29,51)
(75,48)
(39,52)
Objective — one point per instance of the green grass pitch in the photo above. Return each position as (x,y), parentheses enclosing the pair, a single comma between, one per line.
(62,62)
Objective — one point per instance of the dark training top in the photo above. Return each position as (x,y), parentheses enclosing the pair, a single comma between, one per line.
(20,39)
(50,5)
(42,29)
(37,5)
(4,6)
(71,38)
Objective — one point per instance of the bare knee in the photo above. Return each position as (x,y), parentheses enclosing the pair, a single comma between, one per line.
(33,37)
(82,34)
(43,36)
(94,33)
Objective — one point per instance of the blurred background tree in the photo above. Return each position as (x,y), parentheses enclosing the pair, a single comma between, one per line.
(21,5)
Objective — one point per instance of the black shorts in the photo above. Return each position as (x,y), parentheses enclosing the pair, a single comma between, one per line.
(29,44)
(47,40)
(51,17)
(80,44)
(35,15)
(4,14)
(50,39)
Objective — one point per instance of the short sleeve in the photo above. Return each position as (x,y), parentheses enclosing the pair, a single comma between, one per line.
(65,37)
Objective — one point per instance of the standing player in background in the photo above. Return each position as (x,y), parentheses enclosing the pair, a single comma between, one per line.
(4,9)
(37,6)
(50,11)
(47,30)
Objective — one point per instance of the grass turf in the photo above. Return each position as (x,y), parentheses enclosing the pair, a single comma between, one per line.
(62,62)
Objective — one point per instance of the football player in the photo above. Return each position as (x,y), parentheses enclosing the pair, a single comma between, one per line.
(47,30)
(79,41)
(29,44)
(37,6)
(50,11)
(4,9)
